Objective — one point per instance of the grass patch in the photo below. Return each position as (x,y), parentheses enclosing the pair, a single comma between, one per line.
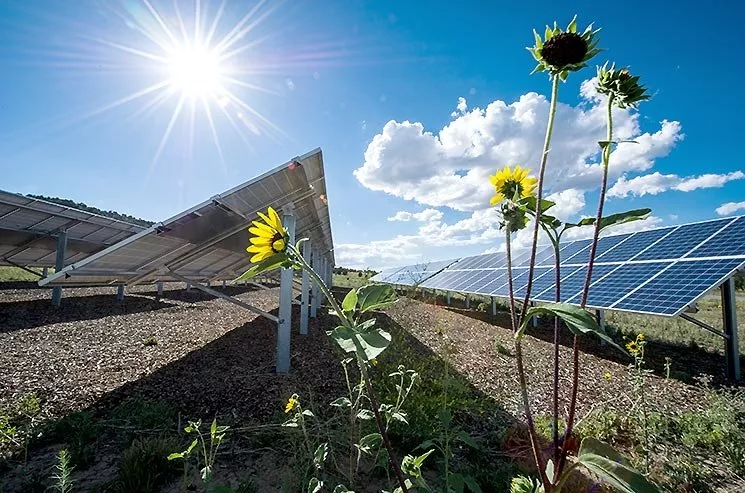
(145,467)
(79,431)
(17,274)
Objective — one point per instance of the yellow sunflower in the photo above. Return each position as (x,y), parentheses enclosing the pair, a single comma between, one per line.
(509,183)
(270,237)
(633,347)
(292,403)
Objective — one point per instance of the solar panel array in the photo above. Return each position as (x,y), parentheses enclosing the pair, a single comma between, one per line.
(411,274)
(658,271)
(28,228)
(208,241)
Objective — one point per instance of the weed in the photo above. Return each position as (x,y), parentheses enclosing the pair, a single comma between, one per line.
(544,427)
(684,474)
(79,431)
(150,341)
(63,469)
(216,436)
(604,425)
(145,467)
(501,349)
(141,414)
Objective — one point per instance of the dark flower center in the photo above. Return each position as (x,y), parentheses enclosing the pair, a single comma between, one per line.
(512,188)
(564,49)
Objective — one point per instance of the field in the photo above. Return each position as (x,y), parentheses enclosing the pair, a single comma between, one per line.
(115,383)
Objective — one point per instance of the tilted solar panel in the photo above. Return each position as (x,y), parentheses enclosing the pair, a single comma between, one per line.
(659,271)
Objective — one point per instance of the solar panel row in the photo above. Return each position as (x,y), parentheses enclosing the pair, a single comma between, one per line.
(658,271)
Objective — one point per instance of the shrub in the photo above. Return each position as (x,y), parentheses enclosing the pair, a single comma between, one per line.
(145,467)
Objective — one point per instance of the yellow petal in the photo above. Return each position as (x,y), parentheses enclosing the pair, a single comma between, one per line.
(265,231)
(260,256)
(277,222)
(260,241)
(496,199)
(259,249)
(266,219)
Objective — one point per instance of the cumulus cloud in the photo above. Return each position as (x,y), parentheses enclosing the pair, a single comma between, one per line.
(730,208)
(427,215)
(451,167)
(654,183)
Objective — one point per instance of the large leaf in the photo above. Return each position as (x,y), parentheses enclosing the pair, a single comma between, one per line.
(615,219)
(374,296)
(369,443)
(319,457)
(412,465)
(275,261)
(367,343)
(350,301)
(577,320)
(531,204)
(604,461)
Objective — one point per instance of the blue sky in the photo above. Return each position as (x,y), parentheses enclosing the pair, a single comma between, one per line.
(333,74)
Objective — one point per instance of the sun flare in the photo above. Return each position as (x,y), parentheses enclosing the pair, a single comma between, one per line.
(196,72)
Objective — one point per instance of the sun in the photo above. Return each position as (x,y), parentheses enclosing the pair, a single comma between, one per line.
(196,72)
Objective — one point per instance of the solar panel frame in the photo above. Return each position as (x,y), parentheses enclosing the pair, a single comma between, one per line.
(208,241)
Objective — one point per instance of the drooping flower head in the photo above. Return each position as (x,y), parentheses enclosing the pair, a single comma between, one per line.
(512,184)
(561,52)
(292,403)
(270,236)
(622,87)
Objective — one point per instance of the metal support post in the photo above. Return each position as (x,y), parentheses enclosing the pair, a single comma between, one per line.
(207,283)
(315,292)
(447,297)
(159,284)
(224,284)
(729,317)
(534,319)
(284,327)
(305,295)
(59,264)
(120,292)
(468,300)
(45,271)
(493,305)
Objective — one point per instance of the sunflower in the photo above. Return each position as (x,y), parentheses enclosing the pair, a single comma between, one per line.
(561,52)
(633,347)
(621,86)
(270,237)
(292,403)
(512,184)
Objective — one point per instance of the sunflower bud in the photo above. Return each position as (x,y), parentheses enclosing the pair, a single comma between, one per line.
(561,52)
(619,85)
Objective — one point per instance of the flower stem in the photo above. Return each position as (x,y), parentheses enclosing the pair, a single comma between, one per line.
(557,282)
(539,193)
(521,373)
(363,369)
(588,279)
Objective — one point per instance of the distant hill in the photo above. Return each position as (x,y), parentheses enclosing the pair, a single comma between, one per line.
(94,210)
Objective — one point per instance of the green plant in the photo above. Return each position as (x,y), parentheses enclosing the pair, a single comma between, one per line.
(145,467)
(138,414)
(150,341)
(685,474)
(501,349)
(63,469)
(79,431)
(19,424)
(216,437)
(603,424)
(525,484)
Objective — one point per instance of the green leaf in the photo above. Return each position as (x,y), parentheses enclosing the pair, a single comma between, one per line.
(368,344)
(577,320)
(538,41)
(472,484)
(319,457)
(314,485)
(400,416)
(464,437)
(350,301)
(374,296)
(369,443)
(531,204)
(213,427)
(624,217)
(275,261)
(308,412)
(176,455)
(342,489)
(413,465)
(365,414)
(604,461)
(445,417)
(341,402)
(457,482)
(548,34)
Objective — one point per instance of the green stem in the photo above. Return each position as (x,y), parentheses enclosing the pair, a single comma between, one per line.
(322,285)
(563,478)
(588,280)
(535,445)
(539,193)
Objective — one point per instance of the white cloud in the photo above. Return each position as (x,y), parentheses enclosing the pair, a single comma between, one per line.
(730,208)
(290,84)
(654,183)
(427,215)
(451,168)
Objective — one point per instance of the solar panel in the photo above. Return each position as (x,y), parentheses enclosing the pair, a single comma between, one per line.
(411,275)
(673,288)
(682,240)
(658,271)
(29,226)
(208,241)
(727,242)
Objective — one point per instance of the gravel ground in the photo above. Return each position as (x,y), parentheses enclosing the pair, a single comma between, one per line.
(494,374)
(211,357)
